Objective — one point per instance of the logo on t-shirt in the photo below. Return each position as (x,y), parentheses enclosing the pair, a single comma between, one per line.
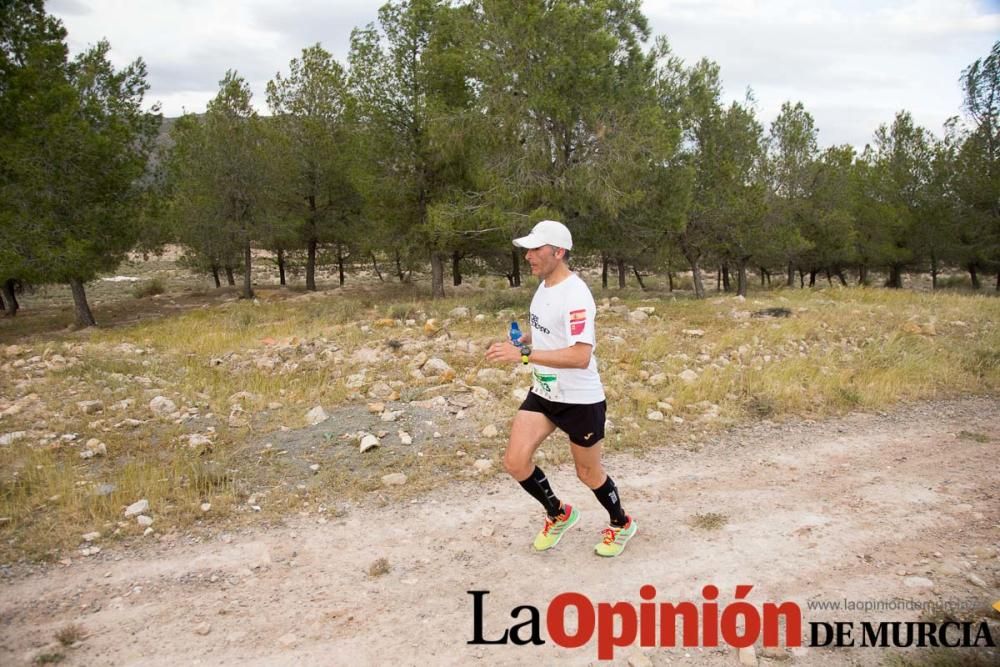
(577,322)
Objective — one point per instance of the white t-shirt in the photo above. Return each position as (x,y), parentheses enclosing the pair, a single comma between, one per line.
(560,317)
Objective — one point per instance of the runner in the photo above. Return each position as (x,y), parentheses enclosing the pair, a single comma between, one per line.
(566,390)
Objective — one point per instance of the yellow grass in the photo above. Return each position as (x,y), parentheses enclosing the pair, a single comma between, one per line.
(842,349)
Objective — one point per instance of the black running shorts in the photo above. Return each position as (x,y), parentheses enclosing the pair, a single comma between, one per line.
(583,423)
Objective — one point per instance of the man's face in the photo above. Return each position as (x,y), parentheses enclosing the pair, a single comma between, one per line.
(543,260)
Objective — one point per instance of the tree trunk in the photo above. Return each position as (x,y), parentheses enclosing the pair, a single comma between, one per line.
(340,263)
(741,278)
(802,278)
(812,277)
(670,281)
(763,276)
(791,275)
(375,266)
(515,268)
(230,278)
(895,280)
(829,278)
(699,287)
(311,263)
(841,277)
(998,281)
(399,268)
(247,283)
(456,270)
(726,285)
(84,318)
(10,304)
(638,278)
(605,260)
(718,279)
(934,270)
(215,276)
(974,275)
(620,263)
(863,274)
(437,275)
(281,267)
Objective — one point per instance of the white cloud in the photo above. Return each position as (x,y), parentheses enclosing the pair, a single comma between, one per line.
(852,63)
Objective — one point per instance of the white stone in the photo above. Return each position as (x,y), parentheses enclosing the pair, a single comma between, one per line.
(748,656)
(435,366)
(459,312)
(638,316)
(519,393)
(162,406)
(688,375)
(198,440)
(206,507)
(490,431)
(316,416)
(314,467)
(366,355)
(90,537)
(694,333)
(483,465)
(203,628)
(918,582)
(12,437)
(654,416)
(368,441)
(394,479)
(138,507)
(405,438)
(90,407)
(639,659)
(390,415)
(144,520)
(657,379)
(976,580)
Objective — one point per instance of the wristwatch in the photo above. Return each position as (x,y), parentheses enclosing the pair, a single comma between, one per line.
(525,353)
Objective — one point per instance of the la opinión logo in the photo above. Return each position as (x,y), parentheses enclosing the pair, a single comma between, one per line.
(738,624)
(654,624)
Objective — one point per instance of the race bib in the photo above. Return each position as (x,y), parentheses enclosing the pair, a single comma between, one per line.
(546,385)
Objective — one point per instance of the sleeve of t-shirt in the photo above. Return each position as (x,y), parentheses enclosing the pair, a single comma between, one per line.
(579,317)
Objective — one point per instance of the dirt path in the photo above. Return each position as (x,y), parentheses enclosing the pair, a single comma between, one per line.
(855,508)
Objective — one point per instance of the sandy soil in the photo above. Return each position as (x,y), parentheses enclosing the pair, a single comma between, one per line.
(851,508)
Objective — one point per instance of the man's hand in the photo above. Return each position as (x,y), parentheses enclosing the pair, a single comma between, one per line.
(503,352)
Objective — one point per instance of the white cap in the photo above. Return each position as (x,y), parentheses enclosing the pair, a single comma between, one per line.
(547,232)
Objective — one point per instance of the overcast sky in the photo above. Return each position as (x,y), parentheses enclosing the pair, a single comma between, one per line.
(853,63)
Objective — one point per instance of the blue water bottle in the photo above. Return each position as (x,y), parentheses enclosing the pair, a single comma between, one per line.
(515,334)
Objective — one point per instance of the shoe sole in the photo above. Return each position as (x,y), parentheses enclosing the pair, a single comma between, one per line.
(634,533)
(569,524)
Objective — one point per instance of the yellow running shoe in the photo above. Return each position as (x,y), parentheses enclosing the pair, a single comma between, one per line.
(615,539)
(554,528)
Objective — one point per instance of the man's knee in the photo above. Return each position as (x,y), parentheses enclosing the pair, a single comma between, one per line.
(518,467)
(590,474)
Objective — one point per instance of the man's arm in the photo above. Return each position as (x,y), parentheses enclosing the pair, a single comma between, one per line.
(575,356)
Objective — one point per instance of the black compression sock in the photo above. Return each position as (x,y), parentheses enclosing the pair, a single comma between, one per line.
(607,494)
(538,486)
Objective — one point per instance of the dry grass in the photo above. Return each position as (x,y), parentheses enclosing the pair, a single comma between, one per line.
(379,567)
(841,350)
(70,634)
(709,521)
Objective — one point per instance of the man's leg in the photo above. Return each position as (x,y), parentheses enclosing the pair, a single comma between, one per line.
(590,471)
(526,434)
